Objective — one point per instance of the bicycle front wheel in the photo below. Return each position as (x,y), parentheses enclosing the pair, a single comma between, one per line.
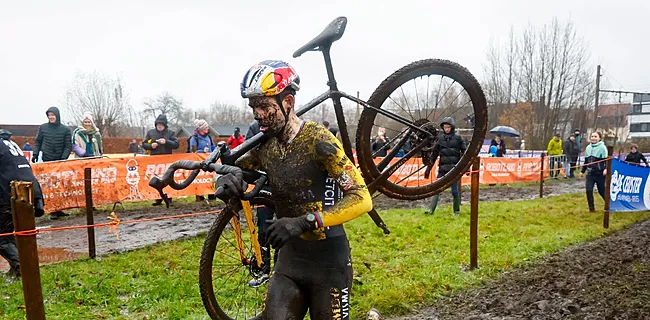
(422,93)
(228,262)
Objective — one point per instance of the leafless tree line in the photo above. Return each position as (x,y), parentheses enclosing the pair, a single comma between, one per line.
(548,67)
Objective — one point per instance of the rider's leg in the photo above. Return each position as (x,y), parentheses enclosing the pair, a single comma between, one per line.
(284,299)
(329,296)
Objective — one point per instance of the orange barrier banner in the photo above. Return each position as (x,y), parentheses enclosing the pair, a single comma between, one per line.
(493,171)
(127,178)
(114,180)
(510,170)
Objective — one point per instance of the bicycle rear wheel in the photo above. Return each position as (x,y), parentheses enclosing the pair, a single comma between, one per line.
(224,275)
(424,92)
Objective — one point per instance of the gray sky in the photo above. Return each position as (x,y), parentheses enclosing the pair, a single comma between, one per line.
(199,50)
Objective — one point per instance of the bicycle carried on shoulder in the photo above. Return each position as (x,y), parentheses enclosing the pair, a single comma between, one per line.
(409,104)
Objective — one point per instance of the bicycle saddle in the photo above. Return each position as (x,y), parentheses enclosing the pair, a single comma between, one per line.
(332,32)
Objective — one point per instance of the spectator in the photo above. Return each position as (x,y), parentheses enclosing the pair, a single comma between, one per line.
(577,134)
(380,145)
(54,141)
(133,146)
(86,139)
(571,152)
(235,140)
(450,147)
(27,146)
(554,150)
(13,166)
(160,140)
(333,130)
(635,156)
(201,142)
(523,145)
(595,154)
(501,146)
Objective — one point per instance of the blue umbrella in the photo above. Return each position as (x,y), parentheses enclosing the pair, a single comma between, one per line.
(505,131)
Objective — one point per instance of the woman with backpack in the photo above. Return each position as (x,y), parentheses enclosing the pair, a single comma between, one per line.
(201,142)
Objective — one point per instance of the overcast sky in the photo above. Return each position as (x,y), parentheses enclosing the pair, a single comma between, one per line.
(199,50)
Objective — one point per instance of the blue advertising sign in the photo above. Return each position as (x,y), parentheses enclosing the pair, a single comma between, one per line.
(629,190)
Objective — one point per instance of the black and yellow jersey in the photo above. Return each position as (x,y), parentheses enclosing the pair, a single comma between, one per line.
(311,173)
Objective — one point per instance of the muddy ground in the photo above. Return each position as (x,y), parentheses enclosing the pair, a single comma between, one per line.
(63,245)
(608,278)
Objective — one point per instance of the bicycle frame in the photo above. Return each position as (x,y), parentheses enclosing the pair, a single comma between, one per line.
(335,94)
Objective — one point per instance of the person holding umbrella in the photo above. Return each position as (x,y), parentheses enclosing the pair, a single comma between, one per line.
(500,132)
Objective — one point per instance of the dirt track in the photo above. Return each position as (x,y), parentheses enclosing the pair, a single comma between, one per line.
(608,278)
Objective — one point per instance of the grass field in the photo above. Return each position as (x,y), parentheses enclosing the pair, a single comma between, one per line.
(424,257)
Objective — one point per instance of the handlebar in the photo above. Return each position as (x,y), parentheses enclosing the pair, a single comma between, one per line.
(196,166)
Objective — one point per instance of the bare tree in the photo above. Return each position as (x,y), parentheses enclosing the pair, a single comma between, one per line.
(548,67)
(105,98)
(170,106)
(222,113)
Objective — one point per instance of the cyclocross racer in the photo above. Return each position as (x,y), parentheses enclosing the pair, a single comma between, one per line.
(316,189)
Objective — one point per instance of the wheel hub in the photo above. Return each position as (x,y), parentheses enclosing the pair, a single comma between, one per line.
(416,138)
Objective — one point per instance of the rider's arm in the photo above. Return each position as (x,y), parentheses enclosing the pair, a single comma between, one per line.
(356,198)
(249,161)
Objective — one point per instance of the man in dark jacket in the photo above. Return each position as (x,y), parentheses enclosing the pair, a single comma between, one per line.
(160,140)
(571,152)
(450,147)
(635,156)
(13,167)
(53,138)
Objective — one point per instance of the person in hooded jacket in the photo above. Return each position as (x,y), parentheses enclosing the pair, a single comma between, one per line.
(450,147)
(86,139)
(53,138)
(595,164)
(14,167)
(160,140)
(635,156)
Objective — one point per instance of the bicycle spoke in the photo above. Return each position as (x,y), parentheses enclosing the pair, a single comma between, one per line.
(417,99)
(460,108)
(400,106)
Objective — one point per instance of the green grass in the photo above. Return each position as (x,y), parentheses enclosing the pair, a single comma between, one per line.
(423,258)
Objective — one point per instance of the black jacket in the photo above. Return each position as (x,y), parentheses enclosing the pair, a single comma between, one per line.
(570,149)
(636,157)
(14,166)
(501,147)
(451,147)
(154,134)
(53,139)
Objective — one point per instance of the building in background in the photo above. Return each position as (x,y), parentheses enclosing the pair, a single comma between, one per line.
(639,118)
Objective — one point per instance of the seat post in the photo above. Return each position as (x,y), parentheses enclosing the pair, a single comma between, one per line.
(330,70)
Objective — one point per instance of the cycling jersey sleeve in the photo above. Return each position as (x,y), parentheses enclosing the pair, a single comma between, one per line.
(249,161)
(356,198)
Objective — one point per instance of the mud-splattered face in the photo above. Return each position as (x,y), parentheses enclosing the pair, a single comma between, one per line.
(268,114)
